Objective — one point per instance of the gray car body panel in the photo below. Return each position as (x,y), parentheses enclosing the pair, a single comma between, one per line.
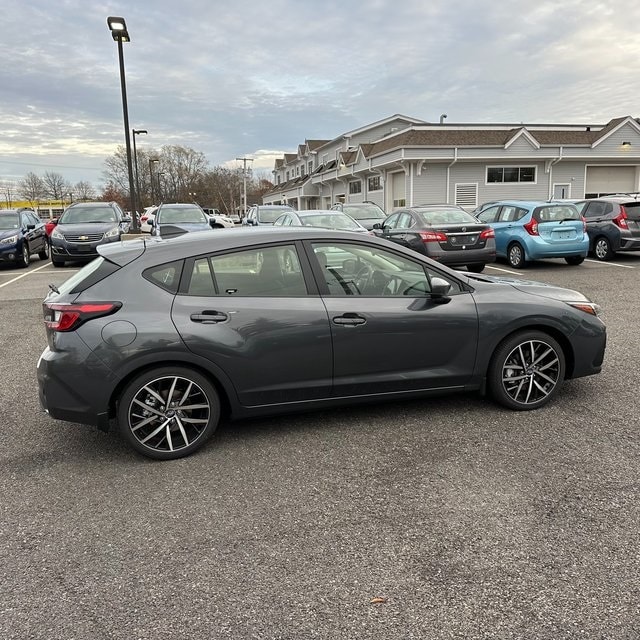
(276,354)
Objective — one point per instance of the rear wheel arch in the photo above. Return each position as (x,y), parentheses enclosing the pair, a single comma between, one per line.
(223,390)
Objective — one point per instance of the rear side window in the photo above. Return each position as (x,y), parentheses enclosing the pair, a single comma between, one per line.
(89,275)
(166,276)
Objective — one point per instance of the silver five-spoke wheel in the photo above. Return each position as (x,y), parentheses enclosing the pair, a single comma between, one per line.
(526,370)
(169,413)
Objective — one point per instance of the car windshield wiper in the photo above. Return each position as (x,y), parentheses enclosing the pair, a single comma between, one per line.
(54,288)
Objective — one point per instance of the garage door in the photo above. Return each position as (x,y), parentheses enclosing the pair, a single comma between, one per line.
(602,180)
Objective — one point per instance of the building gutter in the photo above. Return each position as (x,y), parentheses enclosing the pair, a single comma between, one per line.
(550,171)
(455,159)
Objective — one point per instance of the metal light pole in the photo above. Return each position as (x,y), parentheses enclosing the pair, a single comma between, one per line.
(244,183)
(120,34)
(153,192)
(137,132)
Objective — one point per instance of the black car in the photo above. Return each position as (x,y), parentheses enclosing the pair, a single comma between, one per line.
(166,336)
(22,233)
(83,227)
(613,224)
(366,213)
(446,233)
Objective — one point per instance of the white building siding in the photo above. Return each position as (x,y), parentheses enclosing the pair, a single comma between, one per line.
(430,187)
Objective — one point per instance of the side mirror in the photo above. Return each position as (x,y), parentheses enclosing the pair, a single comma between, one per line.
(440,289)
(378,226)
(31,227)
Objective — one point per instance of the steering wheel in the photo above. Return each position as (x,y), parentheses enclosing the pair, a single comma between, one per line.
(362,277)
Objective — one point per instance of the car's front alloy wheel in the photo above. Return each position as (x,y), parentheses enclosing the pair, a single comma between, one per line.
(25,256)
(168,412)
(526,370)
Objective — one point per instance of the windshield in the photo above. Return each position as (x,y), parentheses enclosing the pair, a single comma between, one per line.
(364,211)
(267,214)
(185,215)
(79,215)
(331,221)
(447,216)
(9,221)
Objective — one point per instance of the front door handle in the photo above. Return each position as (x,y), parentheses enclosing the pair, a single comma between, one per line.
(209,317)
(349,320)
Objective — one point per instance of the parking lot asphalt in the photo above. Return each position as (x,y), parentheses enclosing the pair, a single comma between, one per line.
(464,519)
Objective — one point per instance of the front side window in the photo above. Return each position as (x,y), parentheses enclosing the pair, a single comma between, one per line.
(360,270)
(262,272)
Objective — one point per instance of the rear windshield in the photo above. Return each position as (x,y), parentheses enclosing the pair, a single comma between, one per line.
(364,212)
(265,214)
(557,213)
(91,273)
(446,216)
(633,209)
(331,221)
(186,215)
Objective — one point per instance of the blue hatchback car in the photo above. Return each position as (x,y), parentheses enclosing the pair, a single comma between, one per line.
(533,230)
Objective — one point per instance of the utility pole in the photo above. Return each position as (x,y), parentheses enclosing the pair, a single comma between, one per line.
(244,183)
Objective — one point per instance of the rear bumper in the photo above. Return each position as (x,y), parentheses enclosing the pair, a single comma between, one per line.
(537,248)
(464,257)
(82,398)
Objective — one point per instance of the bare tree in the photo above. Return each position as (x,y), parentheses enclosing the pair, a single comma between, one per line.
(32,188)
(84,190)
(55,186)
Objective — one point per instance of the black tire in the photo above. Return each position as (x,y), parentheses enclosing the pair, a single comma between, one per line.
(475,268)
(602,249)
(516,256)
(574,260)
(526,370)
(57,263)
(25,257)
(166,432)
(44,254)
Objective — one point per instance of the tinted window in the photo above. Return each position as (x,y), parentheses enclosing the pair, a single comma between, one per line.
(633,210)
(597,209)
(352,269)
(266,272)
(166,275)
(89,275)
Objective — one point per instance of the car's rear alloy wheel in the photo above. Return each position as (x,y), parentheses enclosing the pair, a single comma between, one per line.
(168,412)
(44,254)
(526,370)
(515,256)
(602,249)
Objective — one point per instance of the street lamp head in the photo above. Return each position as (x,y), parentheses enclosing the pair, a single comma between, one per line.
(118,28)
(139,131)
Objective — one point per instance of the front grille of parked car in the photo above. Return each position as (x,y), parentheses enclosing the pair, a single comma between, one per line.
(83,237)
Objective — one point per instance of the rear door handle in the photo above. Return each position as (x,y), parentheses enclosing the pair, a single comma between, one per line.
(349,320)
(209,317)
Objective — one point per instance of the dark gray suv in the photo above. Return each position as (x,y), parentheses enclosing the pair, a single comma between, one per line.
(166,336)
(83,227)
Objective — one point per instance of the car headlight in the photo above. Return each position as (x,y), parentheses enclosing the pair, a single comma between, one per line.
(57,234)
(10,240)
(112,233)
(588,307)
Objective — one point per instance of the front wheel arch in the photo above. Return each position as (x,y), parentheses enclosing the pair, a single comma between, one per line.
(526,370)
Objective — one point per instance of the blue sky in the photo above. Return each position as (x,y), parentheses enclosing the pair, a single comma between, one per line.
(257,78)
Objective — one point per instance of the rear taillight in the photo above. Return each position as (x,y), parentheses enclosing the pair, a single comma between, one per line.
(433,236)
(487,233)
(531,227)
(144,218)
(68,317)
(621,219)
(584,224)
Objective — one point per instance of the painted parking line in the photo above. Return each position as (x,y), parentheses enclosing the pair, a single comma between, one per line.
(23,275)
(516,273)
(610,264)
